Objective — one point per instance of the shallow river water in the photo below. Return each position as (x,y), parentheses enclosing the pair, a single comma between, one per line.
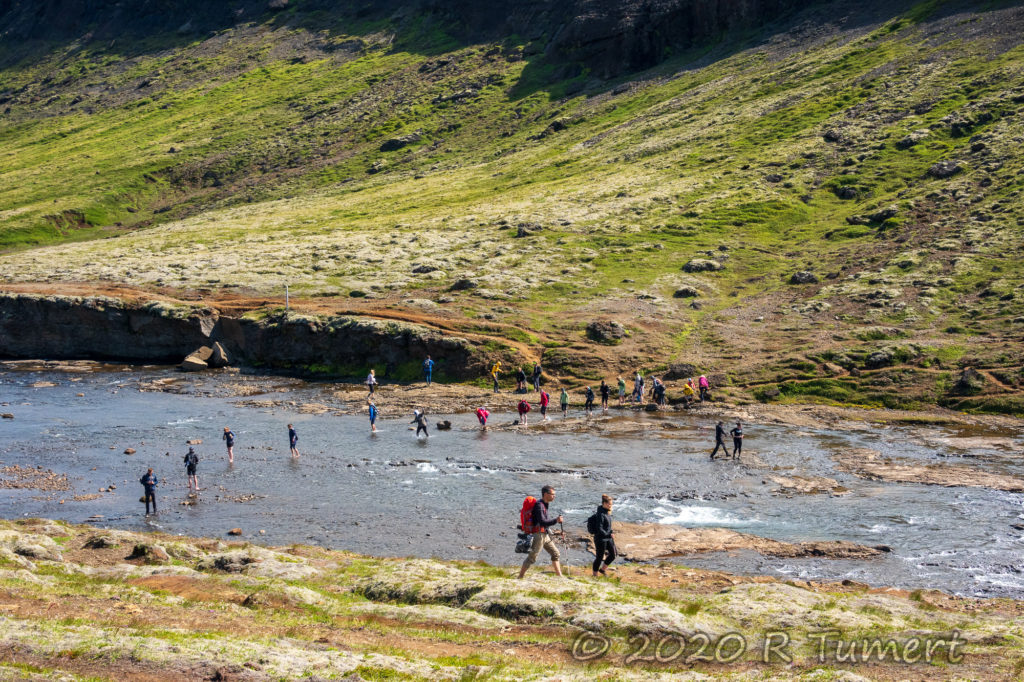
(457,494)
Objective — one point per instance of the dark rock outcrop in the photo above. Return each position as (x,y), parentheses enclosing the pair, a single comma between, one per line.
(103,328)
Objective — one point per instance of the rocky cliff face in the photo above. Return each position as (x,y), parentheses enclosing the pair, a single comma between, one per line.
(61,327)
(609,37)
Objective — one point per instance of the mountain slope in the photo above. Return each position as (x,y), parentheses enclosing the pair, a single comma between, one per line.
(399,162)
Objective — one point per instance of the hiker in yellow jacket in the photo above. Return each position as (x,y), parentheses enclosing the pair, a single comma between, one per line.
(495,371)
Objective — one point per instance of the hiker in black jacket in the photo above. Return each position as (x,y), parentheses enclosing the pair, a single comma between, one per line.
(604,543)
(719,440)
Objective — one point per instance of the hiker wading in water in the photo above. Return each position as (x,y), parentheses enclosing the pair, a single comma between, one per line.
(538,526)
(719,440)
(737,440)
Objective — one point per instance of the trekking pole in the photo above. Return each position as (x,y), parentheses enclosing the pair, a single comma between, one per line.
(565,542)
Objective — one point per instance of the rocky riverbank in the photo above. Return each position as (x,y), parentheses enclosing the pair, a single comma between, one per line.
(80,601)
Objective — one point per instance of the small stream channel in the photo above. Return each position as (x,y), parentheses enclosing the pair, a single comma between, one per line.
(457,494)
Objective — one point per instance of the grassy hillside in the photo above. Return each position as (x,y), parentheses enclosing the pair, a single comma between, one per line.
(388,161)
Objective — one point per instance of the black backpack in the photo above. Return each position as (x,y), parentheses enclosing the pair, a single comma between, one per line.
(594,524)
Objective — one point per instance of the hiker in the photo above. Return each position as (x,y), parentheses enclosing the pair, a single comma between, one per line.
(737,440)
(371,381)
(524,408)
(537,370)
(622,391)
(149,483)
(537,525)
(229,440)
(719,440)
(428,369)
(588,404)
(600,526)
(420,420)
(605,392)
(191,460)
(544,400)
(689,395)
(495,371)
(705,388)
(293,440)
(520,380)
(564,402)
(638,388)
(659,393)
(373,415)
(482,414)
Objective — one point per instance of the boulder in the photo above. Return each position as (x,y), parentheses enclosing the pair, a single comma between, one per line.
(686,292)
(702,265)
(912,139)
(846,192)
(773,178)
(149,553)
(605,331)
(878,359)
(833,136)
(526,229)
(424,269)
(945,169)
(197,360)
(884,214)
(971,382)
(463,285)
(219,357)
(803,277)
(129,451)
(399,142)
(680,370)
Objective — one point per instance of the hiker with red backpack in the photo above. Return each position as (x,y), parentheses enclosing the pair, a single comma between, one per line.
(534,520)
(524,408)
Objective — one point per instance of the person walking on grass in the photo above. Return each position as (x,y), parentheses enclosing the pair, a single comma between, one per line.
(371,382)
(495,371)
(428,369)
(563,401)
(544,400)
(719,440)
(293,440)
(229,440)
(420,420)
(191,461)
(605,392)
(539,526)
(600,526)
(537,371)
(622,391)
(373,415)
(737,440)
(149,483)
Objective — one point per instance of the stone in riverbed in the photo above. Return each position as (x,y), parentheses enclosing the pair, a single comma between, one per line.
(219,356)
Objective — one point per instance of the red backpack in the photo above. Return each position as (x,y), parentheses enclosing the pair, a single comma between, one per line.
(526,515)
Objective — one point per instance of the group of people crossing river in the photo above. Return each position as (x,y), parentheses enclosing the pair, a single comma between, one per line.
(534,520)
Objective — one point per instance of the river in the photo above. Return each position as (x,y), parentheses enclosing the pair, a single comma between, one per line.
(457,494)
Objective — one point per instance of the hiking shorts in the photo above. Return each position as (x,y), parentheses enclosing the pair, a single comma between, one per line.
(541,541)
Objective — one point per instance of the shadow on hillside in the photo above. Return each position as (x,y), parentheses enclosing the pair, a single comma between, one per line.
(579,46)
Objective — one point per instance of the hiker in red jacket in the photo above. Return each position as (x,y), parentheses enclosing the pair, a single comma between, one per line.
(544,400)
(524,408)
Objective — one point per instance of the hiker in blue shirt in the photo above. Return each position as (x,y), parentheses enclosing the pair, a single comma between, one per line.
(373,416)
(229,440)
(428,369)
(149,483)
(293,440)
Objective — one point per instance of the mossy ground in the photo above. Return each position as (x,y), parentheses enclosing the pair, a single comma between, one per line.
(216,610)
(255,158)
